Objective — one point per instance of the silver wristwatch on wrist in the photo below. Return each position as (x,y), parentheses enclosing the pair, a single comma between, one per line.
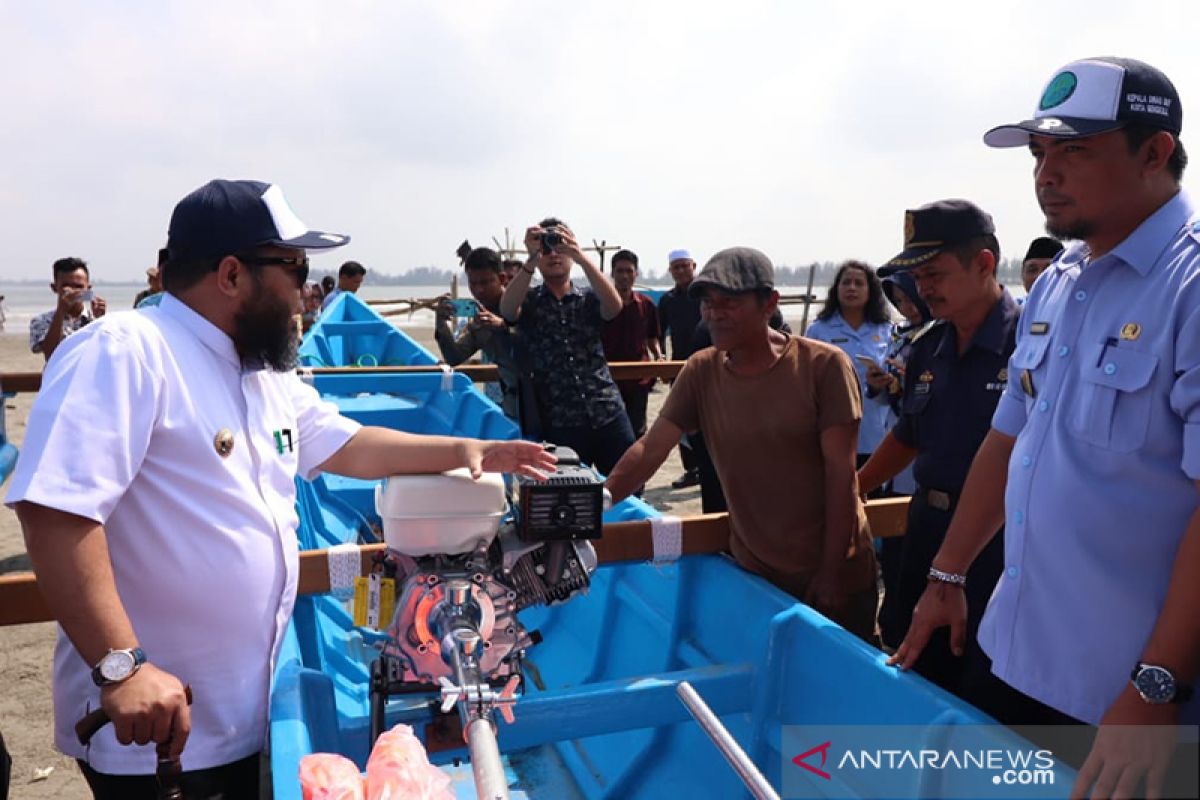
(117,666)
(1157,685)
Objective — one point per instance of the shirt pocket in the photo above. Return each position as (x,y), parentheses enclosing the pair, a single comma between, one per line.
(1028,367)
(917,401)
(1113,405)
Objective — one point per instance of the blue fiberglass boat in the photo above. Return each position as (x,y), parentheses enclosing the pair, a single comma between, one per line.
(349,333)
(599,716)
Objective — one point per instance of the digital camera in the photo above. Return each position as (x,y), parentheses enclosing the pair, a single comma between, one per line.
(550,240)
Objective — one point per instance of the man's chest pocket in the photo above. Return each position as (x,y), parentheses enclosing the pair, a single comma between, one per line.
(1110,406)
(917,400)
(1028,368)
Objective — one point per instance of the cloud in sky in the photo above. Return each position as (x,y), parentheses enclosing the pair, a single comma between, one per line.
(803,129)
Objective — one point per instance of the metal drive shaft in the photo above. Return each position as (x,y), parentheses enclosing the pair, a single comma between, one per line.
(490,782)
(734,754)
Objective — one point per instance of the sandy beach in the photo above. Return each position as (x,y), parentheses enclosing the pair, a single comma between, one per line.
(26,650)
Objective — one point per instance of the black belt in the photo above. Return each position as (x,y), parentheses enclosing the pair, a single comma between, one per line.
(936,498)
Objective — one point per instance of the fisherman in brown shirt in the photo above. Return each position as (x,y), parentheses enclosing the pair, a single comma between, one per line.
(780,415)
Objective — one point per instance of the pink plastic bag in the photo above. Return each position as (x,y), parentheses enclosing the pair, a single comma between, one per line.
(398,768)
(327,776)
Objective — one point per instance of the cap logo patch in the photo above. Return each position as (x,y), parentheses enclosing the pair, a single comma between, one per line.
(909,227)
(1059,90)
(1049,123)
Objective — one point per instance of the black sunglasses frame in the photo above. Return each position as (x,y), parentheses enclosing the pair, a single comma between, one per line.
(301,264)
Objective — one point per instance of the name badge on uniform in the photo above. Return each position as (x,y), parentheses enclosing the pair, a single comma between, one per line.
(1000,383)
(1027,383)
(924,383)
(1039,328)
(842,340)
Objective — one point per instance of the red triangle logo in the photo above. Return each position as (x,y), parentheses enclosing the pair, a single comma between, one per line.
(823,749)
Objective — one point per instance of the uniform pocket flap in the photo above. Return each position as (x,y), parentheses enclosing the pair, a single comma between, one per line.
(1123,370)
(1031,352)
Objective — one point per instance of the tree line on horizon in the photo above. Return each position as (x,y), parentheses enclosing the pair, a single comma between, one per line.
(785,275)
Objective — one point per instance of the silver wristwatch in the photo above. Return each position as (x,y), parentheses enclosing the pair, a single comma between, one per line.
(117,666)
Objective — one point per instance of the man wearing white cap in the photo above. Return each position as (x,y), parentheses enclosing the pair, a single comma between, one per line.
(1093,460)
(156,490)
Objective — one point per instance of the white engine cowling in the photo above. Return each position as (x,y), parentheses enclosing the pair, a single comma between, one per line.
(445,514)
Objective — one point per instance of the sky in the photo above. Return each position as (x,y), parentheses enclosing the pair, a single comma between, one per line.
(801,128)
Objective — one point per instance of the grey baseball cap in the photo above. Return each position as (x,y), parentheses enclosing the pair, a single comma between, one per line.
(736,270)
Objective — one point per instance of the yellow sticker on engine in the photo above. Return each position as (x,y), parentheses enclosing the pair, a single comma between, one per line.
(374,601)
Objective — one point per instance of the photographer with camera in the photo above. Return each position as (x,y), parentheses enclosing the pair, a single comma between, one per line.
(485,329)
(560,324)
(77,306)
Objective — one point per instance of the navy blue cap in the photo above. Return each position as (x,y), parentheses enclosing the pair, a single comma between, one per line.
(225,217)
(932,228)
(904,282)
(1097,95)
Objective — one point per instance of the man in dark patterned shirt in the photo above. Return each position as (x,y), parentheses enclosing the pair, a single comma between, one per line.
(560,323)
(77,306)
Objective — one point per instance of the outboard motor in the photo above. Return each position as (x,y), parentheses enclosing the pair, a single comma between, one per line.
(465,566)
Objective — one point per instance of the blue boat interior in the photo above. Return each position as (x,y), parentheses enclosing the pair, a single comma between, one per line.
(351,334)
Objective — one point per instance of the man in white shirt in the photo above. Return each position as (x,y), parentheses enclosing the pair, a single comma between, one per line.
(161,523)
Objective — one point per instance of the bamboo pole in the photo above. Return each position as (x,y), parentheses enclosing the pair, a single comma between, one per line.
(812,271)
(21,602)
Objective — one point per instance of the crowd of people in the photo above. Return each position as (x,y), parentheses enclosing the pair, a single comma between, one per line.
(1048,573)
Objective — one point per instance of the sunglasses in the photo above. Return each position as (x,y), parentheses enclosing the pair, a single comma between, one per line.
(296,266)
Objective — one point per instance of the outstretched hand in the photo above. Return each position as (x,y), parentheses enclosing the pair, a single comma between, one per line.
(1131,752)
(517,457)
(941,604)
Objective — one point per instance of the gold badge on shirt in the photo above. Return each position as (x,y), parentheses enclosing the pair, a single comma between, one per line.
(926,377)
(1027,383)
(223,442)
(1130,331)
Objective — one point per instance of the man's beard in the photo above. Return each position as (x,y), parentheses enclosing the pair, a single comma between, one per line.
(263,331)
(1078,230)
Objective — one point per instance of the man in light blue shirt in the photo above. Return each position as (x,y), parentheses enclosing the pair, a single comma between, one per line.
(1093,460)
(350,278)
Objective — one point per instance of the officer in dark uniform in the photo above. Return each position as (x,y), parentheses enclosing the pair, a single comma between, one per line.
(952,382)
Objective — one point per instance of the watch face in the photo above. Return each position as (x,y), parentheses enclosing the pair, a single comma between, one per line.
(1155,685)
(116,666)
